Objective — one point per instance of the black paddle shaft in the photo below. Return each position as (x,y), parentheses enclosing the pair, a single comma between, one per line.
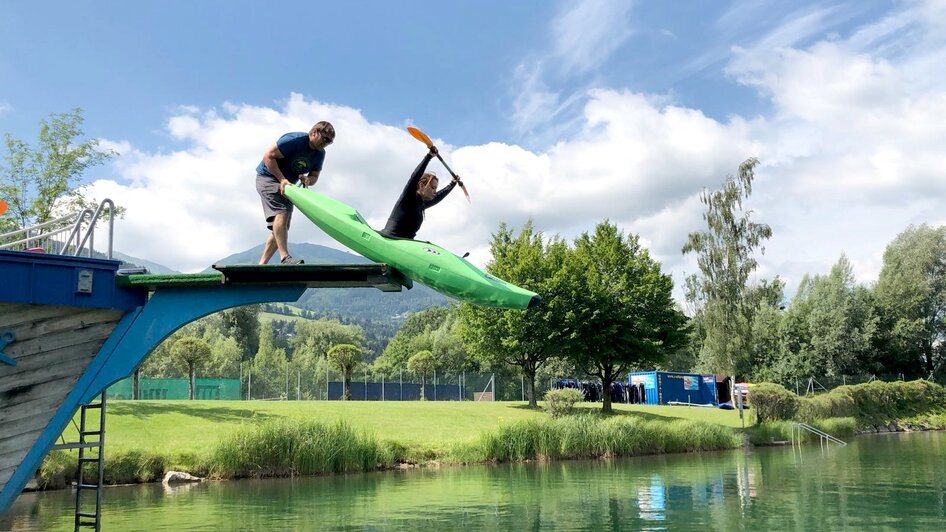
(445,165)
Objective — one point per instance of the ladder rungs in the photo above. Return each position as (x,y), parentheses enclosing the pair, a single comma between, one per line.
(87,514)
(88,486)
(77,445)
(87,460)
(91,433)
(96,405)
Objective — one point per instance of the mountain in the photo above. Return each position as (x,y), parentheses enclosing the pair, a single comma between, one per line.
(350,305)
(360,304)
(153,267)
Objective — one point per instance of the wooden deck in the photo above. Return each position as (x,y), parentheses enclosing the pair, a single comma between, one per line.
(54,345)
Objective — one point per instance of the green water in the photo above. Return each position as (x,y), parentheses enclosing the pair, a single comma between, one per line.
(892,482)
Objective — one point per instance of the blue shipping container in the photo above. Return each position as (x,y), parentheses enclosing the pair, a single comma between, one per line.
(664,387)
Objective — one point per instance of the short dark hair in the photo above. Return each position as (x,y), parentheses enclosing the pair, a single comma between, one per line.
(325,127)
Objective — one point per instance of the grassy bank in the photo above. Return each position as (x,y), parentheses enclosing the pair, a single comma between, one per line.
(145,438)
(233,439)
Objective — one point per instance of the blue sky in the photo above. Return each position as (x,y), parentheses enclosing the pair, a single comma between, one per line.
(563,112)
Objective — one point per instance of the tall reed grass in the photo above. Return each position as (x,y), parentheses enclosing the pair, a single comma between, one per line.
(286,448)
(593,436)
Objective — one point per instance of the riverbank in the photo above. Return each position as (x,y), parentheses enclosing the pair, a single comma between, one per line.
(147,438)
(236,439)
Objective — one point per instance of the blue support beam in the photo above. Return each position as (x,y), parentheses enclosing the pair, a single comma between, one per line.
(136,335)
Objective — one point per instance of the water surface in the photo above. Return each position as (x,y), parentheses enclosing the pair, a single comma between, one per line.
(877,482)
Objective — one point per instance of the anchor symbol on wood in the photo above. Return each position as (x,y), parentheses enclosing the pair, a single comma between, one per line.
(6,338)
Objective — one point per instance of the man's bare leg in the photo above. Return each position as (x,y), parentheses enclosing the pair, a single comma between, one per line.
(268,249)
(276,240)
(281,234)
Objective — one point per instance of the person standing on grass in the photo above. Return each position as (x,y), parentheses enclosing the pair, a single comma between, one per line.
(295,157)
(419,194)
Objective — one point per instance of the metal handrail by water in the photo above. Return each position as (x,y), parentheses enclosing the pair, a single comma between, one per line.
(823,436)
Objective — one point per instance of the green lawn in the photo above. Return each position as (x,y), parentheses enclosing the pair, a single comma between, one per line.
(173,427)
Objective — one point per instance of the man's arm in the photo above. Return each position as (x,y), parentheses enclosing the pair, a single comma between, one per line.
(311,178)
(270,160)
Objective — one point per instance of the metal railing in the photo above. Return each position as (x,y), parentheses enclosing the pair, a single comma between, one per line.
(73,234)
(823,437)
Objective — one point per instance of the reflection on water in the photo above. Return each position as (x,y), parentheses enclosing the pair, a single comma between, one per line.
(893,482)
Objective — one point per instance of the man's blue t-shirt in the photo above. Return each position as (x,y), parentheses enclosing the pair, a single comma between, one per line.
(298,157)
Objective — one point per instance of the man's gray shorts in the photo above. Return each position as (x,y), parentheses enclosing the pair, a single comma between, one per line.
(273,201)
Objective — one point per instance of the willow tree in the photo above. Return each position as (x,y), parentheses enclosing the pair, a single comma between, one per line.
(725,255)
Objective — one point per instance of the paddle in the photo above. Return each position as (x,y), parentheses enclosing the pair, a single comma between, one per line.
(421,136)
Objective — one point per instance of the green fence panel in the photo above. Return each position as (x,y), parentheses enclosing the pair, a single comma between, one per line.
(151,389)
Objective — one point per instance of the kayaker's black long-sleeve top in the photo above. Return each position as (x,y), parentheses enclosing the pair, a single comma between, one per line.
(408,212)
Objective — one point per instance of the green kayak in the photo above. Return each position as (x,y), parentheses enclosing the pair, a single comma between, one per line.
(421,261)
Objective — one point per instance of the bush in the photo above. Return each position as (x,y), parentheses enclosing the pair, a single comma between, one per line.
(562,402)
(837,403)
(876,403)
(772,402)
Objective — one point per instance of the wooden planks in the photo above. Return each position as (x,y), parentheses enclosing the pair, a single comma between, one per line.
(54,345)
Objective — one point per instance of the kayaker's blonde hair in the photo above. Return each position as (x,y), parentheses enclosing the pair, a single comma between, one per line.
(426,178)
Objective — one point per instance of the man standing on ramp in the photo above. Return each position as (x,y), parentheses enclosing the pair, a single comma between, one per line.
(295,157)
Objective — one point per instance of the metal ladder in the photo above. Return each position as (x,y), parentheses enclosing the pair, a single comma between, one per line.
(823,437)
(84,517)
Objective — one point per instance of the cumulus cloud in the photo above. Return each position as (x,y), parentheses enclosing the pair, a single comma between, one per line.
(851,154)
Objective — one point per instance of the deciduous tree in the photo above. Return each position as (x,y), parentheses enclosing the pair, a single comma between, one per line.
(193,353)
(522,338)
(725,256)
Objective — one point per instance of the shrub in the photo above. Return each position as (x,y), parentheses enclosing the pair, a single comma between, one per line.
(562,402)
(876,402)
(837,403)
(772,402)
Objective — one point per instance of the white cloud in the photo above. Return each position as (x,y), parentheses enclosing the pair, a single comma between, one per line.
(851,154)
(583,37)
(589,32)
(5,107)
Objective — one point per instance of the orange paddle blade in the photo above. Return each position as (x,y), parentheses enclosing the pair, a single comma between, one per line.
(420,135)
(3,206)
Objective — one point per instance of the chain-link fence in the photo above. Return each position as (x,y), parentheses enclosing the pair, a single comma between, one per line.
(814,385)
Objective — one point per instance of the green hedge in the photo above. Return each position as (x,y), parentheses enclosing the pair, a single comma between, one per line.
(870,404)
(772,402)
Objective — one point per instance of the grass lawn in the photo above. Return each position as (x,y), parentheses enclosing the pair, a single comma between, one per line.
(173,427)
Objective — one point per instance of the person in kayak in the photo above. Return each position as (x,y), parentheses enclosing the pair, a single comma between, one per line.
(419,194)
(295,157)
